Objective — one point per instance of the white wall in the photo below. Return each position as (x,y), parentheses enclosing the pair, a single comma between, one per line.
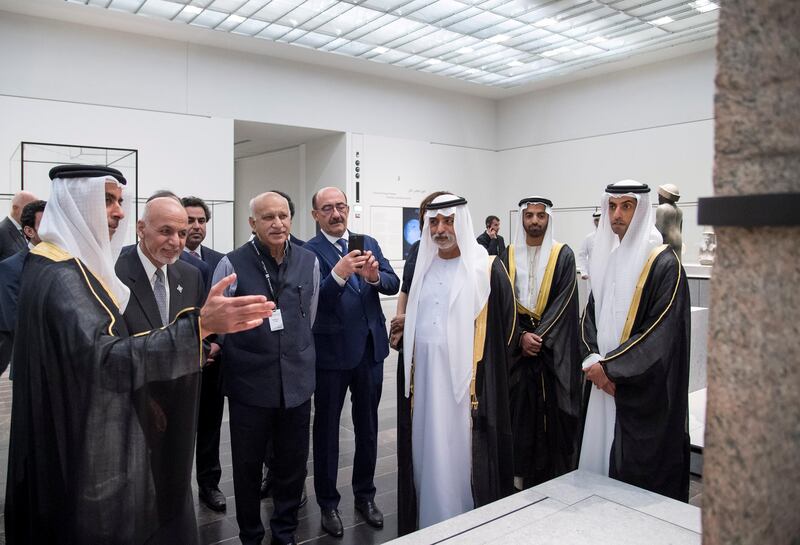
(254,175)
(326,165)
(400,173)
(186,154)
(114,68)
(653,124)
(298,171)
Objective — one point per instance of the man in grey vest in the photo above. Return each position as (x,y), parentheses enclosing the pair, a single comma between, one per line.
(269,373)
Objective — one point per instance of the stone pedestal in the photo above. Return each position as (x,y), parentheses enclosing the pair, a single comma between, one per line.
(752,444)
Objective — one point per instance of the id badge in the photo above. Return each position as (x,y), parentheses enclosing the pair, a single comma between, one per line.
(276,320)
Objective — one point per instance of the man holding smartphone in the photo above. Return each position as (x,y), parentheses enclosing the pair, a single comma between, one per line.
(351,342)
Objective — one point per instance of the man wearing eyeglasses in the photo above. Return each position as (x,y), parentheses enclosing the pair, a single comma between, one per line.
(351,342)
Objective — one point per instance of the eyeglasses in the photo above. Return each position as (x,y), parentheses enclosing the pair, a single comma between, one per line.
(328,208)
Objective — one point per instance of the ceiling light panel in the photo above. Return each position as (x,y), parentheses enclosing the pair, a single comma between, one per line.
(125,5)
(490,42)
(209,18)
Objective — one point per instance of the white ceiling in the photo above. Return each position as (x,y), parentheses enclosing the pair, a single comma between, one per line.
(496,43)
(253,138)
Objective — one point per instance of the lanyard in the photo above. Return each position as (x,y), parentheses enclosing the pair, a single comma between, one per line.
(266,273)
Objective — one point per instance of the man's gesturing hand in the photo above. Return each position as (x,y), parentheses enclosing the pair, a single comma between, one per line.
(223,314)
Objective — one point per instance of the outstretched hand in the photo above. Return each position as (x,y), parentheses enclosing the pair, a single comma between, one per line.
(223,314)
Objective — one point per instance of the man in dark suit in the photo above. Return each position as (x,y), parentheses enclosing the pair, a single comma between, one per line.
(491,239)
(161,287)
(212,402)
(351,340)
(10,276)
(12,240)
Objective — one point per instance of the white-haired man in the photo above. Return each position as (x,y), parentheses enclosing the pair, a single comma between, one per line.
(635,344)
(458,328)
(79,470)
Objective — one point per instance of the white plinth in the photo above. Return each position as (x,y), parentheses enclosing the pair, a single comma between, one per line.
(574,509)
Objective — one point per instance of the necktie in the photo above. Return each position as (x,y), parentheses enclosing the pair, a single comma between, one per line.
(160,292)
(194,254)
(342,245)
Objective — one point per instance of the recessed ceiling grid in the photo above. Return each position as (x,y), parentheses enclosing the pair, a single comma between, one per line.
(502,43)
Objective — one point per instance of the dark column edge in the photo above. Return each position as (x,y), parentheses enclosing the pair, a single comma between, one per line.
(760,210)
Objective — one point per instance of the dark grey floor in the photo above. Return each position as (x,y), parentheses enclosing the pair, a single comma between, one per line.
(222,528)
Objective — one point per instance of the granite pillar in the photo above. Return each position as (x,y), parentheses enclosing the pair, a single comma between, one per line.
(752,446)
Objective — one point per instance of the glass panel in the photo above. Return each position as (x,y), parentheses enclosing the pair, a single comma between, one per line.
(228,6)
(276,9)
(209,18)
(161,9)
(384,5)
(396,29)
(327,15)
(305,12)
(127,5)
(250,7)
(273,32)
(439,10)
(310,39)
(349,21)
(250,27)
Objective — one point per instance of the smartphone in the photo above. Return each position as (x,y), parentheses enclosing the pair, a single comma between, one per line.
(355,242)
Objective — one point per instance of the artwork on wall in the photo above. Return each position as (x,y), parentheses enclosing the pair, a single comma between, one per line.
(411,229)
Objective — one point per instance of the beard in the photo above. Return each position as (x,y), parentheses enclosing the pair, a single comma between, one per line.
(444,242)
(535,230)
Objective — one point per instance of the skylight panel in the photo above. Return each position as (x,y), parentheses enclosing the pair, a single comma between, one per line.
(250,7)
(128,6)
(276,9)
(209,18)
(225,6)
(383,5)
(349,20)
(250,27)
(478,22)
(396,29)
(303,13)
(436,11)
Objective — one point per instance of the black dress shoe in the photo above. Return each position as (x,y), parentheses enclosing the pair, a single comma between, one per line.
(213,498)
(332,523)
(371,513)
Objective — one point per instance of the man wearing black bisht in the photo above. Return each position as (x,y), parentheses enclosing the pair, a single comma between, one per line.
(79,470)
(545,377)
(458,327)
(635,344)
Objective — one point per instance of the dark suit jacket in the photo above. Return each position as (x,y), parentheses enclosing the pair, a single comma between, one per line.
(212,259)
(142,313)
(10,276)
(11,240)
(345,316)
(494,246)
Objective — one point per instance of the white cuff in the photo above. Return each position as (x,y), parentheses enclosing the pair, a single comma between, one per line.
(590,360)
(339,280)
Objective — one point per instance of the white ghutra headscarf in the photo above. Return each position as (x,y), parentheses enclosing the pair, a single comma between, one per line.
(615,266)
(75,220)
(521,260)
(468,294)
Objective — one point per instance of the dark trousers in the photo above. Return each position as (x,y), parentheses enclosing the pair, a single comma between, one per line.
(212,403)
(251,428)
(365,383)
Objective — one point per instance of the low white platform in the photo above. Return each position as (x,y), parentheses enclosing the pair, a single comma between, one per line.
(575,509)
